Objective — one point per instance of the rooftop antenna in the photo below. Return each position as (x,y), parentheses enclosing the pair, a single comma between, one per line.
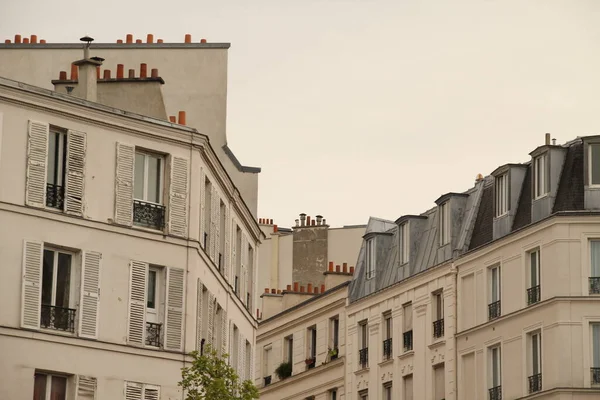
(86,48)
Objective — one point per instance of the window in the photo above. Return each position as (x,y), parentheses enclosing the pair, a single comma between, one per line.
(595,370)
(387,336)
(248,360)
(387,391)
(439,382)
(141,391)
(370,258)
(148,210)
(58,291)
(594,164)
(594,280)
(267,364)
(494,310)
(438,314)
(408,387)
(56,173)
(154,305)
(335,337)
(541,184)
(222,222)
(289,349)
(363,338)
(49,387)
(249,275)
(535,362)
(407,336)
(333,394)
(501,191)
(405,244)
(238,260)
(444,223)
(207,212)
(533,292)
(311,359)
(363,394)
(495,378)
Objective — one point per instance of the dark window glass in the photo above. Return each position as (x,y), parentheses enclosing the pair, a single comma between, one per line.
(63,280)
(47,276)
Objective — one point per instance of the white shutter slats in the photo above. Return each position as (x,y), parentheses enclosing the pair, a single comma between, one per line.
(75,172)
(151,392)
(124,184)
(233,251)
(231,339)
(31,293)
(211,319)
(218,250)
(174,317)
(227,255)
(137,303)
(178,195)
(202,205)
(241,358)
(199,315)
(90,295)
(251,377)
(37,152)
(213,225)
(224,329)
(86,387)
(133,391)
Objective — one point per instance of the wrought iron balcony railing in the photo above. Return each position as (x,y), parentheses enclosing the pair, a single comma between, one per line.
(535,383)
(363,357)
(55,196)
(387,349)
(495,393)
(59,318)
(494,310)
(595,376)
(533,295)
(407,340)
(267,380)
(153,337)
(148,214)
(438,328)
(595,285)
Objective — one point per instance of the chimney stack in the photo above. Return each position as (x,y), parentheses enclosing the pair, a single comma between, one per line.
(319,219)
(87,86)
(547,138)
(302,219)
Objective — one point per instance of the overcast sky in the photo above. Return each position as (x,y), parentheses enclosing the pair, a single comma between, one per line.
(356,108)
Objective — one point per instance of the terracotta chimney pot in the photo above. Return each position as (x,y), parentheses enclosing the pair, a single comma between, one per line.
(62,75)
(120,71)
(316,290)
(74,72)
(107,74)
(150,38)
(173,119)
(17,38)
(26,40)
(266,290)
(33,39)
(273,291)
(181,119)
(129,38)
(132,73)
(330,269)
(278,291)
(345,268)
(202,40)
(296,287)
(7,41)
(42,41)
(138,41)
(309,288)
(275,229)
(301,289)
(119,41)
(188,38)
(143,70)
(337,268)
(154,73)
(288,288)
(159,41)
(352,270)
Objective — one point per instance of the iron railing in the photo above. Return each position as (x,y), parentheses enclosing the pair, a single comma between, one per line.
(205,241)
(495,393)
(363,357)
(387,349)
(533,295)
(535,383)
(438,328)
(59,318)
(153,334)
(494,310)
(267,380)
(407,340)
(236,285)
(595,376)
(595,285)
(148,214)
(220,263)
(55,196)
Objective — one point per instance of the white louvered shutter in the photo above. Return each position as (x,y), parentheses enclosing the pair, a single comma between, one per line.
(174,317)
(199,321)
(231,341)
(233,251)
(252,362)
(211,320)
(136,330)
(86,387)
(151,392)
(124,184)
(218,249)
(31,293)
(37,153)
(75,173)
(133,391)
(90,295)
(244,271)
(202,205)
(241,358)
(227,255)
(214,198)
(224,329)
(178,197)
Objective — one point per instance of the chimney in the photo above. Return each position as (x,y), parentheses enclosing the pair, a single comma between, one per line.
(553,142)
(302,219)
(319,219)
(547,138)
(88,85)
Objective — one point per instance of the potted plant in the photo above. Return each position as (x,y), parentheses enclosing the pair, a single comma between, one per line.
(284,370)
(332,353)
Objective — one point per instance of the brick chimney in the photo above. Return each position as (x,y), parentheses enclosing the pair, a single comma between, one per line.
(309,250)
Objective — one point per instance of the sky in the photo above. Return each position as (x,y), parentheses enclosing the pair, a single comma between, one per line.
(358,108)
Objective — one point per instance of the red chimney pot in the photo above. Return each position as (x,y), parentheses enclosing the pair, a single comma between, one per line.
(159,41)
(352,270)
(107,74)
(330,266)
(273,291)
(26,40)
(309,288)
(173,119)
(288,288)
(150,38)
(301,289)
(129,38)
(120,71)
(316,290)
(188,38)
(33,39)
(337,268)
(17,38)
(7,41)
(322,288)
(266,290)
(296,287)
(74,72)
(278,291)
(119,41)
(181,119)
(132,73)
(97,72)
(345,268)
(138,41)
(275,229)
(62,75)
(143,70)
(154,73)
(42,41)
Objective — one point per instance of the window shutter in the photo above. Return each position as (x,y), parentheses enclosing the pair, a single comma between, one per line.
(202,205)
(224,330)
(86,387)
(244,271)
(136,330)
(211,320)
(178,193)
(214,198)
(133,391)
(174,317)
(251,377)
(233,251)
(37,152)
(241,358)
(218,230)
(231,339)
(227,255)
(90,295)
(75,176)
(151,392)
(31,293)
(199,315)
(124,184)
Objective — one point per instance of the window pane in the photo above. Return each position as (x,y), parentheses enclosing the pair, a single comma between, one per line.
(63,280)
(138,186)
(151,301)
(39,387)
(596,345)
(59,388)
(52,157)
(47,273)
(153,179)
(595,164)
(595,255)
(533,268)
(494,284)
(535,354)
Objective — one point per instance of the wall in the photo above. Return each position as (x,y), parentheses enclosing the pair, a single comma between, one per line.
(309,254)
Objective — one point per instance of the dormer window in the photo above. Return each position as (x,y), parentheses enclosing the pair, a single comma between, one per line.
(594,164)
(501,192)
(541,183)
(370,258)
(444,223)
(404,243)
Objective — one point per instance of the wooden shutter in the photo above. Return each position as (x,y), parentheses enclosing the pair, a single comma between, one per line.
(241,358)
(202,205)
(199,321)
(251,377)
(124,184)
(37,153)
(211,320)
(224,329)
(244,271)
(151,392)
(31,293)
(133,391)
(227,255)
(174,315)
(214,199)
(218,229)
(231,339)
(90,295)
(233,251)
(178,195)
(136,330)
(86,387)
(75,172)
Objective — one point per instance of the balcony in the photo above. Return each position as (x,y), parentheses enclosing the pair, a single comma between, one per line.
(533,295)
(495,393)
(363,357)
(494,310)
(595,285)
(267,380)
(153,334)
(535,383)
(407,340)
(58,318)
(149,215)
(311,362)
(595,376)
(438,328)
(55,196)
(387,349)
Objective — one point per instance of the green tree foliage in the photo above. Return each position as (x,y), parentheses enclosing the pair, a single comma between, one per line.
(210,377)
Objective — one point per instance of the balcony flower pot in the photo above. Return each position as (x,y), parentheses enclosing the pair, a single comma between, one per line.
(284,370)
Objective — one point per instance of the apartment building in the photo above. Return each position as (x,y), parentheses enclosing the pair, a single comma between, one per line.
(126,244)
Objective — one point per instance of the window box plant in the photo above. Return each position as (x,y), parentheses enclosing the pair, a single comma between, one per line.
(284,370)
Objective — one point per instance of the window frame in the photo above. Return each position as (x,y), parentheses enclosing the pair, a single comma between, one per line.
(370,258)
(495,366)
(387,390)
(444,223)
(49,376)
(545,178)
(387,325)
(73,275)
(363,332)
(60,155)
(591,166)
(157,313)
(288,349)
(335,332)
(161,176)
(438,301)
(498,285)
(404,243)
(535,363)
(501,192)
